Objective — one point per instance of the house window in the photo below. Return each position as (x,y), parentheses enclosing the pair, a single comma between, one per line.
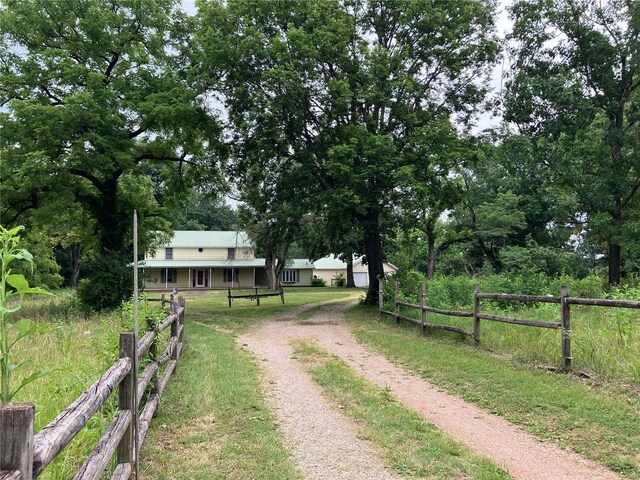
(289,276)
(231,275)
(231,253)
(168,275)
(168,253)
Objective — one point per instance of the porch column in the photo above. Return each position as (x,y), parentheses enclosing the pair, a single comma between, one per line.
(166,278)
(254,276)
(189,284)
(210,286)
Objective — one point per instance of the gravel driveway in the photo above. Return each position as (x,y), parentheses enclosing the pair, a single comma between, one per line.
(324,441)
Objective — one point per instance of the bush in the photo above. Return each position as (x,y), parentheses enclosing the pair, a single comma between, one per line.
(109,282)
(341,280)
(318,282)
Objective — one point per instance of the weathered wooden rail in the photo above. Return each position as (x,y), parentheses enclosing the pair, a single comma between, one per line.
(564,300)
(25,455)
(255,295)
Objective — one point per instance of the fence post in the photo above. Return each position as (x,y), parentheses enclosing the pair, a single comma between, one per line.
(257,297)
(229,295)
(153,353)
(162,297)
(396,307)
(174,333)
(565,314)
(380,296)
(183,303)
(423,307)
(126,399)
(476,312)
(282,293)
(16,438)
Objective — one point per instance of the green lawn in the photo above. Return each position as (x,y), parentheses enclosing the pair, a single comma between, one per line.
(596,420)
(212,306)
(413,447)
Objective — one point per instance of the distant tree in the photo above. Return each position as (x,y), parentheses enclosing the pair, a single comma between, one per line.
(574,87)
(196,211)
(271,211)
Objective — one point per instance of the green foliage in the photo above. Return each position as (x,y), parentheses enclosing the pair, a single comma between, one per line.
(534,258)
(318,282)
(340,280)
(348,96)
(195,211)
(452,291)
(45,270)
(12,285)
(92,96)
(109,282)
(575,91)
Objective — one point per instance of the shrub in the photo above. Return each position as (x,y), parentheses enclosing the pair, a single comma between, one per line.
(341,280)
(318,282)
(109,282)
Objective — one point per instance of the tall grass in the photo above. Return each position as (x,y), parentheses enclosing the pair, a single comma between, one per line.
(80,349)
(605,341)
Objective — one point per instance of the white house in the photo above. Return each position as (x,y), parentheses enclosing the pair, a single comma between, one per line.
(329,267)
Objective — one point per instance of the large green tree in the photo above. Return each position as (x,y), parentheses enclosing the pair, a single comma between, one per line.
(574,88)
(92,91)
(347,89)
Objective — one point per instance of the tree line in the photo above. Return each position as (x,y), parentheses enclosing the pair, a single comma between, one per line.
(341,126)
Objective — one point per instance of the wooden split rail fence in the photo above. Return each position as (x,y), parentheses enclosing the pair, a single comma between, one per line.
(24,455)
(564,300)
(255,295)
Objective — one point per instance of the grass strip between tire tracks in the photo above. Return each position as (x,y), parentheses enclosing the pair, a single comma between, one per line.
(414,448)
(597,421)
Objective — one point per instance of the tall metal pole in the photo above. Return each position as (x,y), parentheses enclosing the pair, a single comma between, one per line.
(135,343)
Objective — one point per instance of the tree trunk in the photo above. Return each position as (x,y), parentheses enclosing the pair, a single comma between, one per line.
(75,252)
(432,252)
(615,259)
(272,271)
(373,250)
(616,124)
(351,283)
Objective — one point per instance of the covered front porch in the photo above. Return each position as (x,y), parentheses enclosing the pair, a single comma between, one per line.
(214,275)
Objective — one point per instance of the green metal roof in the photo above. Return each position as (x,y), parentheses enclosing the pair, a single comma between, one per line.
(299,264)
(212,239)
(330,262)
(256,262)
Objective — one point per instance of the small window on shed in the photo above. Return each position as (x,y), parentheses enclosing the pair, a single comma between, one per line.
(168,253)
(289,276)
(231,253)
